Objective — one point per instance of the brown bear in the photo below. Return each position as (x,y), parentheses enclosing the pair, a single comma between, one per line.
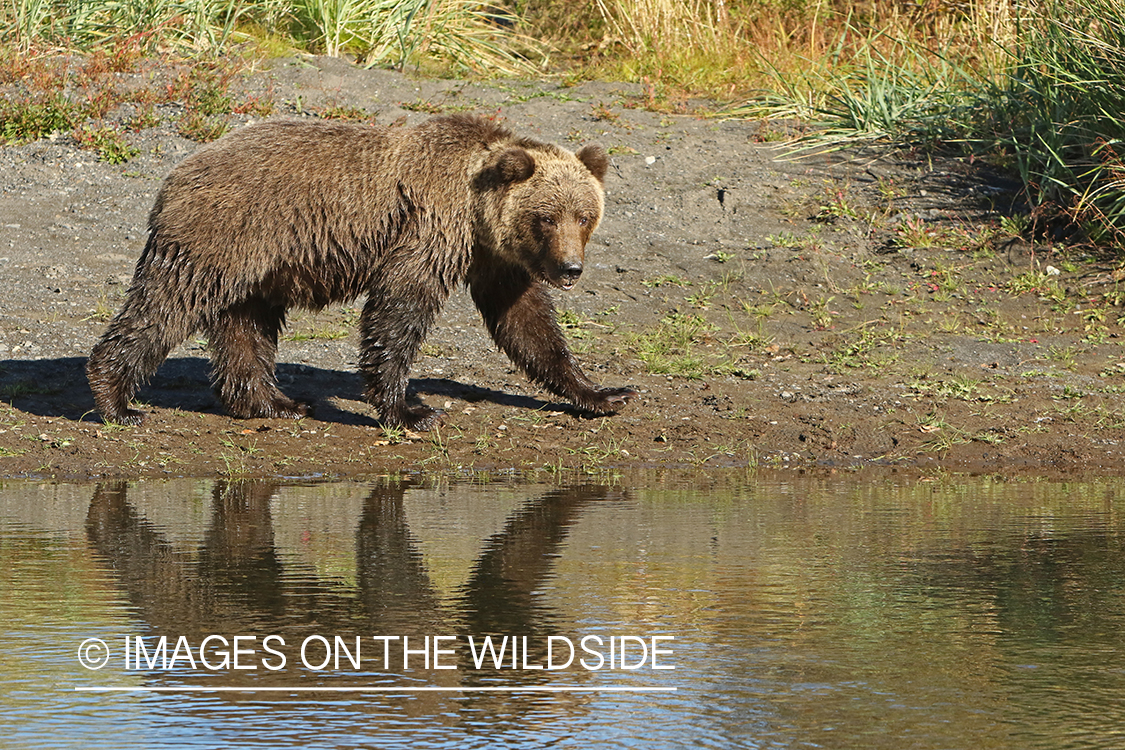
(302,214)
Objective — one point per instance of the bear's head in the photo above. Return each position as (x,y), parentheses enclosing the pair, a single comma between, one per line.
(540,205)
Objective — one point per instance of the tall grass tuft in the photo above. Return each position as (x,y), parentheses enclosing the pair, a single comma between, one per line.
(462,35)
(470,36)
(665,25)
(1063,111)
(1043,91)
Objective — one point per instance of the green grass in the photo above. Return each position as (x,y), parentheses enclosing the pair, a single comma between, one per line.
(669,348)
(455,35)
(109,144)
(30,119)
(1045,99)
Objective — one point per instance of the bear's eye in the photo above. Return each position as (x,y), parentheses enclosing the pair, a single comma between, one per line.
(547,221)
(583,221)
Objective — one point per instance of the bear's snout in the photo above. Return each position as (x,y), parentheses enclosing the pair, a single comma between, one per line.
(569,272)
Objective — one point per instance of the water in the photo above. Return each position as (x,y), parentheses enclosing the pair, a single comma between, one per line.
(796,612)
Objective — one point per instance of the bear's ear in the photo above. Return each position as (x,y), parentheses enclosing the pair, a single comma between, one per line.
(595,160)
(511,166)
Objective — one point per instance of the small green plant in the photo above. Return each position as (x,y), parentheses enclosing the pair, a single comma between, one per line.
(666,280)
(593,456)
(29,120)
(24,388)
(1016,225)
(346,113)
(484,444)
(206,90)
(822,317)
(573,325)
(317,332)
(786,240)
(1064,356)
(234,456)
(143,117)
(702,298)
(862,350)
(890,189)
(669,349)
(256,105)
(991,437)
(108,142)
(422,105)
(1042,282)
(836,205)
(394,435)
(942,281)
(913,232)
(201,128)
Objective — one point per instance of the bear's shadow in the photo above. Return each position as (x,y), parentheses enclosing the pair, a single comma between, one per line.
(57,388)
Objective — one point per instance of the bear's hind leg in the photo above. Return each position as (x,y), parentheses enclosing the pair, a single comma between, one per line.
(128,354)
(243,340)
(392,330)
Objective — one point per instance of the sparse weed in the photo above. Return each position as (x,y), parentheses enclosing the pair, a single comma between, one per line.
(1041,282)
(836,205)
(29,120)
(394,435)
(601,111)
(913,232)
(108,142)
(234,456)
(346,113)
(317,332)
(143,117)
(822,317)
(666,280)
(202,128)
(670,348)
(1064,356)
(862,350)
(702,298)
(786,240)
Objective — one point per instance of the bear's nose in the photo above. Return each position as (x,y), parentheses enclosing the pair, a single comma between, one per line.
(569,273)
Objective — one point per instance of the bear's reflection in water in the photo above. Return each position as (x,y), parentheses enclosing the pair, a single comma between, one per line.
(236,583)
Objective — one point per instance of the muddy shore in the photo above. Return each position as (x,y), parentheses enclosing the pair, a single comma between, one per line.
(848,310)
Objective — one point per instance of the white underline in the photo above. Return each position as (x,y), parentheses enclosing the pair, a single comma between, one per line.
(376,689)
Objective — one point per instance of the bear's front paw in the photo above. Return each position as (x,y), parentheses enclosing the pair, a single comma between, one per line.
(607,400)
(417,418)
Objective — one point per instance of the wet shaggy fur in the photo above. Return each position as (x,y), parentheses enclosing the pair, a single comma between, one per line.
(303,214)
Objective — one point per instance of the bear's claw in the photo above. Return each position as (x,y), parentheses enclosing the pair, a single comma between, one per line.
(606,401)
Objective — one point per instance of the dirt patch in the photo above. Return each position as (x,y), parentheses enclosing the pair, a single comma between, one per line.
(841,310)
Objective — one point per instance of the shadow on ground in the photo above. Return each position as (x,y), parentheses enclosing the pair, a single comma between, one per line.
(57,388)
